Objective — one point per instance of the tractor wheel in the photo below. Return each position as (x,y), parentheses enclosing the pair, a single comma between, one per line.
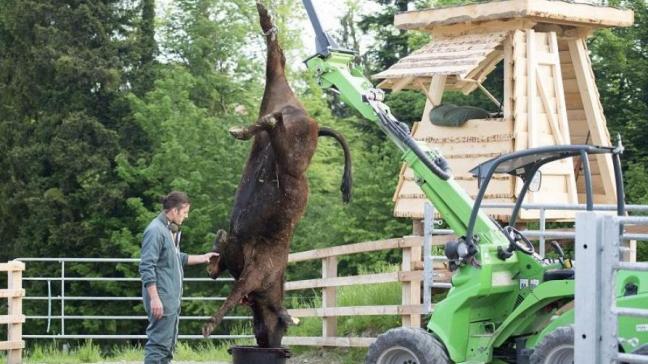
(406,345)
(556,348)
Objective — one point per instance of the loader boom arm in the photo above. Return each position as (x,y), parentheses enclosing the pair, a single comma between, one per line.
(335,70)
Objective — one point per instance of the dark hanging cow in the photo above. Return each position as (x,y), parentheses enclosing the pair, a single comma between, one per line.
(270,200)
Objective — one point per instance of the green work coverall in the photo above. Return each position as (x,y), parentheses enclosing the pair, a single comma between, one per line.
(161,264)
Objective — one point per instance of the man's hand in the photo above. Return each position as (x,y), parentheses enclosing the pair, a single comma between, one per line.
(207,257)
(157,310)
(201,259)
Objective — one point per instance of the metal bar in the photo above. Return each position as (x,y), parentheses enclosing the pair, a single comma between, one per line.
(632,358)
(642,267)
(588,180)
(574,207)
(549,234)
(121,337)
(635,237)
(81,260)
(609,242)
(587,305)
(132,317)
(442,285)
(542,231)
(428,267)
(62,297)
(111,298)
(632,220)
(49,304)
(122,279)
(636,312)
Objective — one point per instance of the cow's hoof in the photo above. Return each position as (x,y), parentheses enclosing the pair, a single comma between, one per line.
(287,319)
(240,133)
(207,329)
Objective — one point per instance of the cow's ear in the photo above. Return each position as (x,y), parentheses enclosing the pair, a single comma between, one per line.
(219,240)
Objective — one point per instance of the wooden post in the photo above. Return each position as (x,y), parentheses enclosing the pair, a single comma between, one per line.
(596,122)
(15,318)
(411,290)
(329,295)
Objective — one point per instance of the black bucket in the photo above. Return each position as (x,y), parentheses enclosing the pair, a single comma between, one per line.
(257,355)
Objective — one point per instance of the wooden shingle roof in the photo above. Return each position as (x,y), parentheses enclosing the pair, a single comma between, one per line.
(457,56)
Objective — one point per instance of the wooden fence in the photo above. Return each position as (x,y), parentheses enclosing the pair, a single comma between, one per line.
(14,319)
(410,276)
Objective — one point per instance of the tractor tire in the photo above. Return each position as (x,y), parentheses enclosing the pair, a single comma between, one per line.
(556,348)
(407,345)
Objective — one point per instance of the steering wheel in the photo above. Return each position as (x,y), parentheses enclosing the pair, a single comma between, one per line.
(520,241)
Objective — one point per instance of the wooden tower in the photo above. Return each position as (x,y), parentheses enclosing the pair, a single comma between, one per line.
(550,96)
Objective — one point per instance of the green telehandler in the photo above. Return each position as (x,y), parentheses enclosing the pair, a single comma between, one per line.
(507,304)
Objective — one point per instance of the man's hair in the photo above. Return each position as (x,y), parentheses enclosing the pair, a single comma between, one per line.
(175,200)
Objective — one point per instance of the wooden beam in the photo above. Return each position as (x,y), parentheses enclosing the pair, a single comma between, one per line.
(14,329)
(542,90)
(545,11)
(531,90)
(435,92)
(364,247)
(357,311)
(13,265)
(359,342)
(401,83)
(559,88)
(411,285)
(10,293)
(508,78)
(353,280)
(342,281)
(593,111)
(519,80)
(12,345)
(453,30)
(329,296)
(12,319)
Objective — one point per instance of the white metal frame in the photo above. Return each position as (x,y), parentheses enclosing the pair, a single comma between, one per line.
(599,240)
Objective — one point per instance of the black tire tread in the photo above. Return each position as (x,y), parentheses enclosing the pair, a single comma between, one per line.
(427,348)
(557,337)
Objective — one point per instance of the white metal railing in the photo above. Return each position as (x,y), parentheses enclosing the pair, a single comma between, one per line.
(61,298)
(541,234)
(599,241)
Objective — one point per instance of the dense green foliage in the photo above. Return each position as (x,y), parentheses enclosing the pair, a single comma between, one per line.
(104,108)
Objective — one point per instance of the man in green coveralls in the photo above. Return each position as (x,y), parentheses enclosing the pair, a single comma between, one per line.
(161,269)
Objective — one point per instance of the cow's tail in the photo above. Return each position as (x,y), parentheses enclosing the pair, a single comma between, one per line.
(347,180)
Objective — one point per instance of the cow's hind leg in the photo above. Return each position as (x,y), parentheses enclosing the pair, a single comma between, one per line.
(247,282)
(266,122)
(269,329)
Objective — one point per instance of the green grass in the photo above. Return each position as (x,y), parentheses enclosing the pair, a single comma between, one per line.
(91,353)
(358,295)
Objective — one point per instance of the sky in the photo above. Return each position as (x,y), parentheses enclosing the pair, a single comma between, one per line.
(330,12)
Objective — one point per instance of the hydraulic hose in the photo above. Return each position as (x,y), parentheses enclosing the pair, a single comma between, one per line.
(392,126)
